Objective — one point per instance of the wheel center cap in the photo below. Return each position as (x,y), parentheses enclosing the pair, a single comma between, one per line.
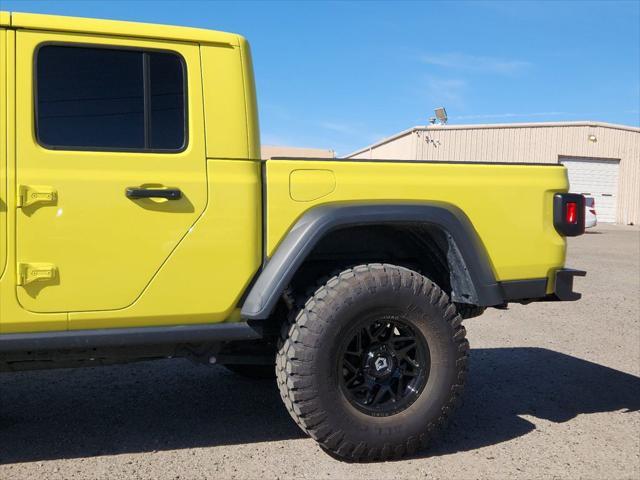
(380,363)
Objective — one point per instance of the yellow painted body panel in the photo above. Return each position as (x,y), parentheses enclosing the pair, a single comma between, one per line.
(3,149)
(115,28)
(251,101)
(306,185)
(510,206)
(204,278)
(224,105)
(14,318)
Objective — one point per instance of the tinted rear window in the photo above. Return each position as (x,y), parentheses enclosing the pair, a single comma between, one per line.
(109,99)
(167,101)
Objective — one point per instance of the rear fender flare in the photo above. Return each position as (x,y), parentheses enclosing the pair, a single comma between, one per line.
(472,277)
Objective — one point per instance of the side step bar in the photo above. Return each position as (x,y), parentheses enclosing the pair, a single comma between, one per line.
(122,337)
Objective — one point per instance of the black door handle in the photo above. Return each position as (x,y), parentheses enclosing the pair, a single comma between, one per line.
(168,193)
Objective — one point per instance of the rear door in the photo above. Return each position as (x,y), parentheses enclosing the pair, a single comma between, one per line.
(111,170)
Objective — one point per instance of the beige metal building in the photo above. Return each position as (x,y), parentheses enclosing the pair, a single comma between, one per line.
(603,160)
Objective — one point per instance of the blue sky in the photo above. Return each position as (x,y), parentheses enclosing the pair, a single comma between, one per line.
(342,75)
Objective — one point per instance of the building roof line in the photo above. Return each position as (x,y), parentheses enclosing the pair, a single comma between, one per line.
(385,140)
(583,123)
(485,126)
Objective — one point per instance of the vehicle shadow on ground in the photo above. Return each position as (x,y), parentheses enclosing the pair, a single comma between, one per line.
(506,383)
(174,404)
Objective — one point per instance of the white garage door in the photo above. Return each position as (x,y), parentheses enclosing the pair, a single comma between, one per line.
(597,178)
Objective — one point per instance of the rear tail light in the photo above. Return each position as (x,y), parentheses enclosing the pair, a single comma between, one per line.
(568,214)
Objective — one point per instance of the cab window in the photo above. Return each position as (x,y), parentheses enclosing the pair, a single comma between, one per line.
(109,99)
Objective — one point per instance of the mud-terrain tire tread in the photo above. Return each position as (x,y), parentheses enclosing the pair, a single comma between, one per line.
(300,332)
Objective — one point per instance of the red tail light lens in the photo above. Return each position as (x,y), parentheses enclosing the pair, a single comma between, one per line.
(571,213)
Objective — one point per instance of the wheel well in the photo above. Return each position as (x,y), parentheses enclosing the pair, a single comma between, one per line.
(417,235)
(419,247)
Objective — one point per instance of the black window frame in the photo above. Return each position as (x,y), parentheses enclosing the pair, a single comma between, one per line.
(146,91)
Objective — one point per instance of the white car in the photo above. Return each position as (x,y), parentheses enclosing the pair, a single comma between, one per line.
(590,218)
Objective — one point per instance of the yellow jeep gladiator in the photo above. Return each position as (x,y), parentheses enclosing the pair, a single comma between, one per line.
(137,221)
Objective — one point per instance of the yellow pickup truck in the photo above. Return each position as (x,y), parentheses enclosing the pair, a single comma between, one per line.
(137,221)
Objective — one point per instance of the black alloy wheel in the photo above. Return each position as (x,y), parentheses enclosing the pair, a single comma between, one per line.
(383,365)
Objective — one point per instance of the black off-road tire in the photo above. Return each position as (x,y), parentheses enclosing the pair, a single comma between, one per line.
(259,372)
(309,377)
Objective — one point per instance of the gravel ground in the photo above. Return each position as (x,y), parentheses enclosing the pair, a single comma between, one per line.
(554,392)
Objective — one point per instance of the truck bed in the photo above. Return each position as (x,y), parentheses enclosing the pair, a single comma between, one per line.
(509,205)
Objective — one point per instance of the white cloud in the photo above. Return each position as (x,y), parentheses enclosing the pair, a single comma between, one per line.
(461,61)
(446,91)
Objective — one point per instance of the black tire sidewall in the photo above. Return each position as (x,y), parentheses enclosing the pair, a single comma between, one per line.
(427,318)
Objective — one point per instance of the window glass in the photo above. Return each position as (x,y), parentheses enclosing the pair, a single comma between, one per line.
(167,97)
(94,98)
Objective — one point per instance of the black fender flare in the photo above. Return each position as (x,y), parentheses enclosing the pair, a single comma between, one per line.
(466,256)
